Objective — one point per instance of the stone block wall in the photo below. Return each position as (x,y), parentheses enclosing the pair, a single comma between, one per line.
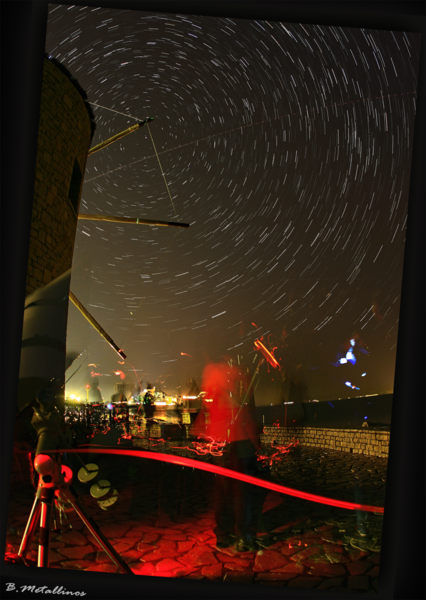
(366,441)
(369,442)
(64,139)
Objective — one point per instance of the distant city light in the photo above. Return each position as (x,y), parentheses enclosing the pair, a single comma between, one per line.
(351,385)
(350,357)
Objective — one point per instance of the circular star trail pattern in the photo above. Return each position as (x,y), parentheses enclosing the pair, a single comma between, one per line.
(286,147)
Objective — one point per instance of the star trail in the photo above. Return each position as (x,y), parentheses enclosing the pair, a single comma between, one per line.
(287,148)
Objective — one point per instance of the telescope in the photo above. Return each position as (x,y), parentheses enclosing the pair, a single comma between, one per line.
(54,484)
(118,136)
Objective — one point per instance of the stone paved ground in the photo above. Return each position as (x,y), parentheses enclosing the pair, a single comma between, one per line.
(162,524)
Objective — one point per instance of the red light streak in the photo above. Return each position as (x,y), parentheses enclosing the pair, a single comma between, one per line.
(282,451)
(134,370)
(98,432)
(270,342)
(135,423)
(159,440)
(122,375)
(185,354)
(269,357)
(202,466)
(213,447)
(190,449)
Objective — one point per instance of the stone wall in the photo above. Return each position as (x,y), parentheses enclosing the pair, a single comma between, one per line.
(366,441)
(64,139)
(358,441)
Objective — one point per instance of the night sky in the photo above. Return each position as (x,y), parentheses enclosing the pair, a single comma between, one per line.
(287,148)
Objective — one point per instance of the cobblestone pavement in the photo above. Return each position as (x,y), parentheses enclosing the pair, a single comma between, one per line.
(162,523)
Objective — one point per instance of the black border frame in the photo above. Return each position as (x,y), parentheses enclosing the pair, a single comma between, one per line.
(403,555)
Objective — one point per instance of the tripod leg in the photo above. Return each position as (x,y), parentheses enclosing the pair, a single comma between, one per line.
(30,527)
(46,497)
(97,533)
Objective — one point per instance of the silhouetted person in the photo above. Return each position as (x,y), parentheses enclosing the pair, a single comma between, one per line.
(230,421)
(149,406)
(118,398)
(94,393)
(194,390)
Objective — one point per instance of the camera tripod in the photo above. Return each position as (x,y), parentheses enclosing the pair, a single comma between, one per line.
(55,486)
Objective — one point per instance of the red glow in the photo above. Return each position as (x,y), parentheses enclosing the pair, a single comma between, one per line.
(269,357)
(195,464)
(218,419)
(122,375)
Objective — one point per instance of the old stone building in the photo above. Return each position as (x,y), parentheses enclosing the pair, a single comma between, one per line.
(66,129)
(65,133)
